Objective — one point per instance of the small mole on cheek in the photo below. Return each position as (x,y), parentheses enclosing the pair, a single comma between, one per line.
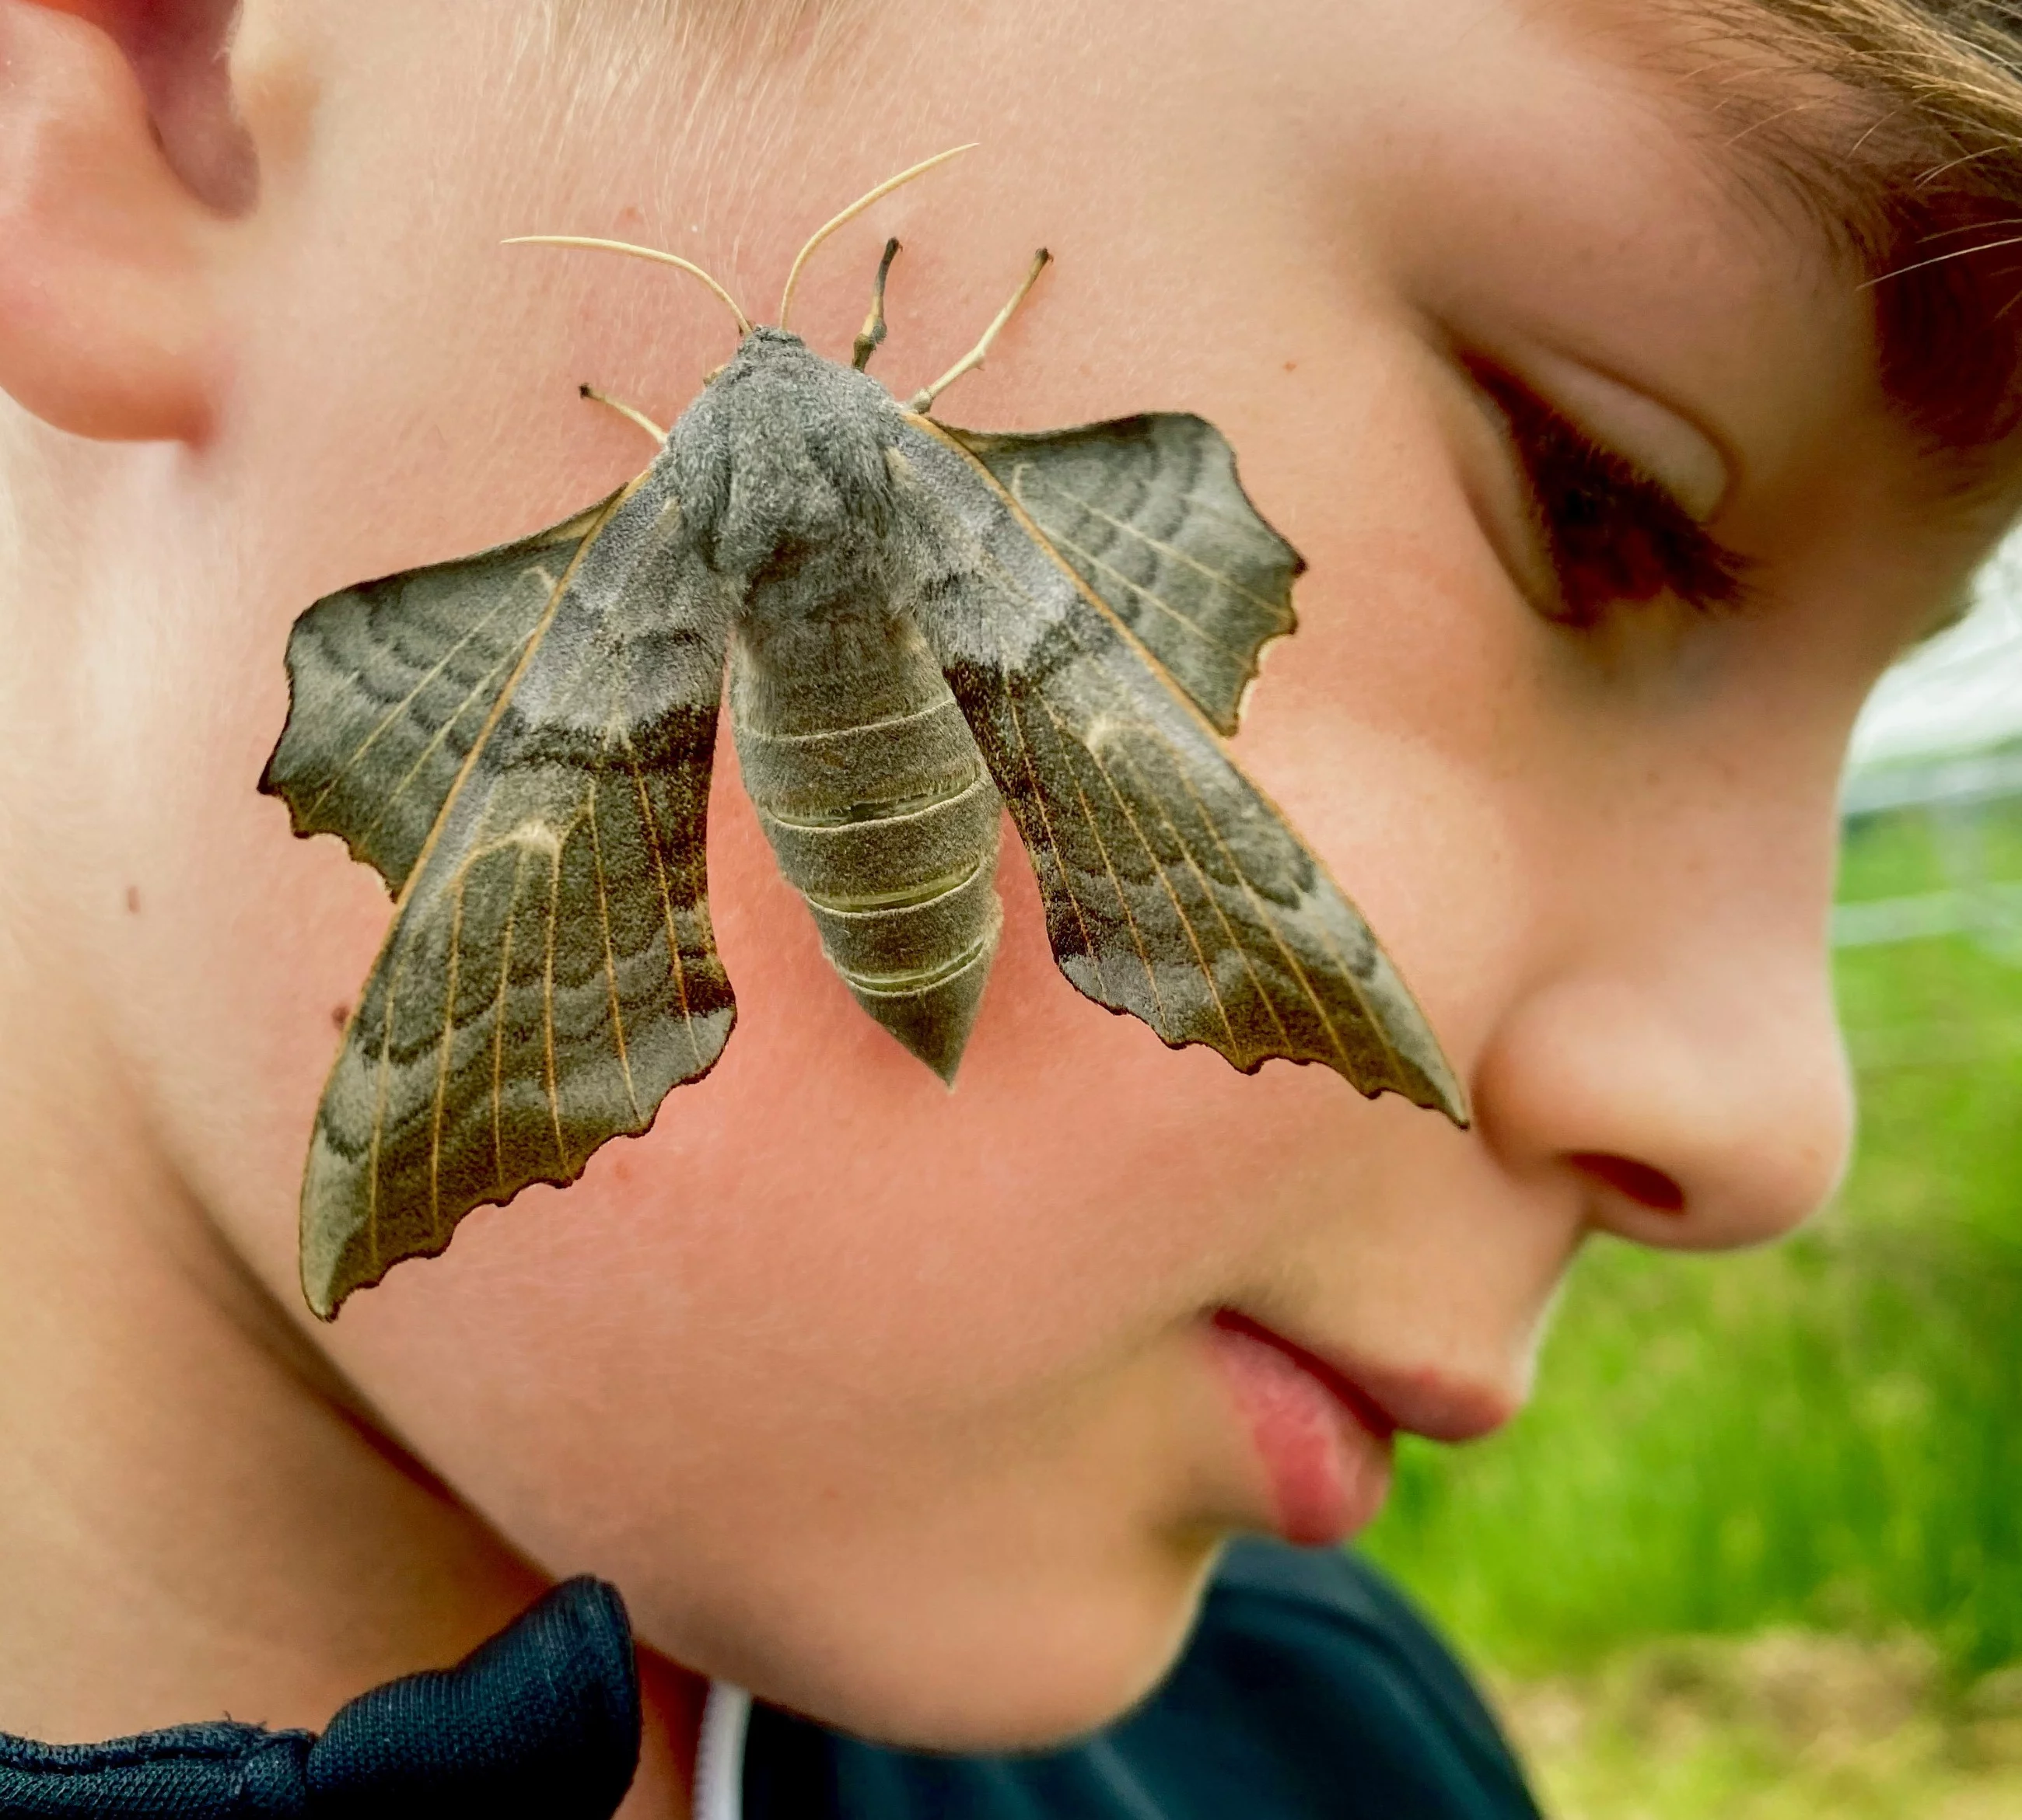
(340,1015)
(133,899)
(1291,366)
(631,214)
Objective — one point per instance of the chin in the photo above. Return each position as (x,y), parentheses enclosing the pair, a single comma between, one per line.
(994,1664)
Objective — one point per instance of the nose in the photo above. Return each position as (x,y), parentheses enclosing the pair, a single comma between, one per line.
(1693,1094)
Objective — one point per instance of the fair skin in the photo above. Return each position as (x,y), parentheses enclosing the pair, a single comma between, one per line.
(902,1408)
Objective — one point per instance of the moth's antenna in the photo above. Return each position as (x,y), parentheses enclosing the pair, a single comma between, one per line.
(857,208)
(923,400)
(674,259)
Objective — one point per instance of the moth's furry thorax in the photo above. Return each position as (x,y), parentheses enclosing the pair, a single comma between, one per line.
(782,454)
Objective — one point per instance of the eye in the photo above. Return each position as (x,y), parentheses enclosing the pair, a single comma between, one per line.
(1614,536)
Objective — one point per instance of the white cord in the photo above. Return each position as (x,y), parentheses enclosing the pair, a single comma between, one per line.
(726,1717)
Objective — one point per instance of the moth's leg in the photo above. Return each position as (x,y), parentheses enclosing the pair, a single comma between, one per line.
(872,335)
(638,417)
(923,400)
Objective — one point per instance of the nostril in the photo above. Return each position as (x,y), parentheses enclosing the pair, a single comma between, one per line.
(1648,1187)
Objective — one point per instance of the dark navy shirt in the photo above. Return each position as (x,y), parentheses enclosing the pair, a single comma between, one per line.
(1310,1690)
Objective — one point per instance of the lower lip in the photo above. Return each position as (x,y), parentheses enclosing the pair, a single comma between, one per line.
(1328,1465)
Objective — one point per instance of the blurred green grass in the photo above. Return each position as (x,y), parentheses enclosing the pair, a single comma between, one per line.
(1823,1436)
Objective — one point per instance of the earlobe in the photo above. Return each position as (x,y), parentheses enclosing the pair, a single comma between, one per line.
(108,310)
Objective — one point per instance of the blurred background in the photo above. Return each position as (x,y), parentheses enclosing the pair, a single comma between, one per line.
(1756,1550)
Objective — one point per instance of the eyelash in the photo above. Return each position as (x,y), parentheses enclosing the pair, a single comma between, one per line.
(1614,536)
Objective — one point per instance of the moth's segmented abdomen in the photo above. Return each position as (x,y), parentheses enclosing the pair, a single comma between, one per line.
(887,826)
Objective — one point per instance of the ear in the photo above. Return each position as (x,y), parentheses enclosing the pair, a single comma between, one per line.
(108,252)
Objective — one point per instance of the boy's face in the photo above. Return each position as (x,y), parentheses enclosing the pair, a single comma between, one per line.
(912,1407)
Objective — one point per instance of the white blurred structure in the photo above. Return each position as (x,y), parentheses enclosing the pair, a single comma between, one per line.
(1960,693)
(1942,734)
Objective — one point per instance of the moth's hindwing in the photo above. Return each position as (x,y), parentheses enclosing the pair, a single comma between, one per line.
(390,682)
(1149,512)
(1173,889)
(550,974)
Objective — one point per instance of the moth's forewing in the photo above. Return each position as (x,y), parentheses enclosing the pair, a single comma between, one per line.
(1149,513)
(1174,889)
(550,974)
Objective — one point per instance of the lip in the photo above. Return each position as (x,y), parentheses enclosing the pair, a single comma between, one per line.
(1322,1426)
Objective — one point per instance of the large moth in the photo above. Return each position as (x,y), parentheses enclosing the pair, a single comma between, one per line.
(921,626)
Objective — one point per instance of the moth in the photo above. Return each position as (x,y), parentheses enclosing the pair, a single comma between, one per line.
(921,627)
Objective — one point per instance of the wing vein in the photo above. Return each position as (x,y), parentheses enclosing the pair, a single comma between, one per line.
(381,1087)
(1088,943)
(442,1057)
(1154,598)
(1149,542)
(498,1021)
(1341,969)
(435,743)
(548,995)
(1039,799)
(604,913)
(1207,890)
(1292,962)
(1179,909)
(408,700)
(646,821)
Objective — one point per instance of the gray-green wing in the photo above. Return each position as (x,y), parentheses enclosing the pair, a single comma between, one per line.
(1173,889)
(390,682)
(1149,512)
(550,974)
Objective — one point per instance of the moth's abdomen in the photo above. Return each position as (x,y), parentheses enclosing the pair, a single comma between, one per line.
(883,817)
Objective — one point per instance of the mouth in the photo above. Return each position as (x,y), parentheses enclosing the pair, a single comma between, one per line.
(1323,1430)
